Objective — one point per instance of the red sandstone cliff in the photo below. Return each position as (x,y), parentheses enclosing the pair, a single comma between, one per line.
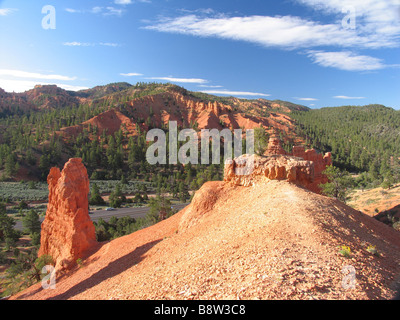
(67,231)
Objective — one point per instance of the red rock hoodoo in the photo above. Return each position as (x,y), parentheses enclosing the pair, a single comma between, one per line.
(67,231)
(303,167)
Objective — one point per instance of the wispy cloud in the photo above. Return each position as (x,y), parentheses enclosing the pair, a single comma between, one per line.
(33,75)
(131,74)
(70,10)
(379,20)
(107,11)
(104,11)
(19,80)
(348,98)
(78,44)
(286,32)
(346,60)
(90,44)
(179,80)
(235,93)
(377,26)
(24,85)
(376,12)
(7,11)
(207,86)
(306,99)
(125,2)
(109,44)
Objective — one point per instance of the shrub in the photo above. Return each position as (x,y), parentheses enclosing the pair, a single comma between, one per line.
(345,251)
(372,249)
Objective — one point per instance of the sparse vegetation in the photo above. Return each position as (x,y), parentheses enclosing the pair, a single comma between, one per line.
(25,270)
(339,185)
(345,251)
(372,249)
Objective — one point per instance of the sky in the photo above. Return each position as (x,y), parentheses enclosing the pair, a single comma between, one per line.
(317,53)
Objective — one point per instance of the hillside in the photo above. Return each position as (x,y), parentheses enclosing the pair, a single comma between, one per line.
(382,204)
(361,138)
(47,125)
(38,98)
(274,240)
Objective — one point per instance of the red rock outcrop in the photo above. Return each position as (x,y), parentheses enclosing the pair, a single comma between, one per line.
(320,163)
(67,231)
(248,170)
(274,146)
(302,167)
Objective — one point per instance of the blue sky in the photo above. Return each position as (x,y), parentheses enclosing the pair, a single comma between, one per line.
(313,52)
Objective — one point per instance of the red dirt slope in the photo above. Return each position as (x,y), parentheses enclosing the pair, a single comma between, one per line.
(274,240)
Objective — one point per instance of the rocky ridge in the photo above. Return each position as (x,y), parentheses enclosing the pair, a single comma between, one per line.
(302,167)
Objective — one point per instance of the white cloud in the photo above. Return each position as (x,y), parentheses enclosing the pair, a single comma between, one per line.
(97,10)
(24,85)
(306,99)
(206,86)
(7,11)
(109,44)
(179,80)
(348,98)
(370,11)
(123,1)
(377,26)
(78,44)
(105,11)
(131,74)
(280,31)
(235,93)
(25,80)
(111,11)
(33,75)
(70,10)
(89,44)
(346,60)
(374,18)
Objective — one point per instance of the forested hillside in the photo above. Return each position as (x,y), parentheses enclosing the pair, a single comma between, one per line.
(106,126)
(361,139)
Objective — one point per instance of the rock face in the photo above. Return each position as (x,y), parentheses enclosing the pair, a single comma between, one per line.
(274,146)
(67,231)
(302,167)
(274,167)
(320,163)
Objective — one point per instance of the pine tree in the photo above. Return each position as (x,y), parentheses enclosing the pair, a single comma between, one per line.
(31,222)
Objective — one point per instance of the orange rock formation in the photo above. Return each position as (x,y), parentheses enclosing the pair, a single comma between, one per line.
(67,231)
(302,167)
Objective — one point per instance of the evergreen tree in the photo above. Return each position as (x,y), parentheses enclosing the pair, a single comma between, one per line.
(31,222)
(339,185)
(95,197)
(7,232)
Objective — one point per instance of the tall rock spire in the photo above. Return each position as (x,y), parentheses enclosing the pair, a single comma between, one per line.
(67,231)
